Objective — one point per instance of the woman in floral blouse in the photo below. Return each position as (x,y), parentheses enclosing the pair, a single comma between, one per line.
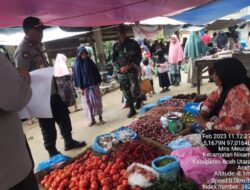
(227,109)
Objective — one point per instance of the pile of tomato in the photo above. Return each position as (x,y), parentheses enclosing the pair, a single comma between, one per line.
(89,172)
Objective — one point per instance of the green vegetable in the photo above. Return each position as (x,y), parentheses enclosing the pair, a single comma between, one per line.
(179,184)
(188,118)
(164,162)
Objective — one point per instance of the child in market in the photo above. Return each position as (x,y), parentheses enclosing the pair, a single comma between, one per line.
(162,66)
(147,73)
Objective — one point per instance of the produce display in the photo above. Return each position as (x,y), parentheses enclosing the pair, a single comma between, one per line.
(192,97)
(107,142)
(136,151)
(128,165)
(164,162)
(175,103)
(159,111)
(89,172)
(188,118)
(152,128)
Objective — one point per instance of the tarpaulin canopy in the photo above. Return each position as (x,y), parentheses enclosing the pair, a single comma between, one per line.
(211,11)
(220,24)
(14,36)
(89,12)
(161,21)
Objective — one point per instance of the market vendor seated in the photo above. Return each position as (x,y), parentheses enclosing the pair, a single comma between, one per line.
(227,109)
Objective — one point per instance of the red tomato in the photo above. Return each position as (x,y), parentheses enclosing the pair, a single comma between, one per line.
(54,184)
(72,185)
(106,171)
(64,183)
(113,172)
(94,185)
(101,176)
(93,178)
(82,169)
(43,182)
(121,187)
(83,184)
(89,167)
(115,177)
(125,174)
(125,182)
(74,174)
(105,158)
(115,166)
(100,162)
(103,166)
(118,160)
(136,188)
(121,165)
(106,181)
(106,187)
(46,177)
(47,185)
(115,184)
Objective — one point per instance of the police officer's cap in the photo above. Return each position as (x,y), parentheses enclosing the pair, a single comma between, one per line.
(33,23)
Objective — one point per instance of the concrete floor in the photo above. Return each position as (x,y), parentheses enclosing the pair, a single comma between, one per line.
(113,114)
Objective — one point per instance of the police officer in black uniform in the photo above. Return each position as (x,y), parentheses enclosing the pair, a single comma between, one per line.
(29,56)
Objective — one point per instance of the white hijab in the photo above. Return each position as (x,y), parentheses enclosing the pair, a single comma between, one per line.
(60,66)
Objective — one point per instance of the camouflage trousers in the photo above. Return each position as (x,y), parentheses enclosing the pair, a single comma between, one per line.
(130,86)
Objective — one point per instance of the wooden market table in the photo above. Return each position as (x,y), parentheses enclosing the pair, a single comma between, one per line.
(204,63)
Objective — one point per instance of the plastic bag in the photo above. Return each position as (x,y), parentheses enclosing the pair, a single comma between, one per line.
(59,158)
(107,147)
(125,134)
(193,139)
(198,167)
(192,107)
(179,143)
(168,172)
(163,99)
(146,108)
(141,175)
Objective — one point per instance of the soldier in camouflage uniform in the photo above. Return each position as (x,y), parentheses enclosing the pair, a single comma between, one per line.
(126,58)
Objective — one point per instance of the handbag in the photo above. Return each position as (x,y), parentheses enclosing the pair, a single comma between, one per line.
(146,86)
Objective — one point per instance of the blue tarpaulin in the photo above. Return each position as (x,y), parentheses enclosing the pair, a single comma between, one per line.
(211,11)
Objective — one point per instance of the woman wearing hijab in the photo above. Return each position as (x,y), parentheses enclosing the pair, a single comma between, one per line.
(194,49)
(227,109)
(175,58)
(162,67)
(88,79)
(64,81)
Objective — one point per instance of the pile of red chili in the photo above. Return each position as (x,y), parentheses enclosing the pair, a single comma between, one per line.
(136,151)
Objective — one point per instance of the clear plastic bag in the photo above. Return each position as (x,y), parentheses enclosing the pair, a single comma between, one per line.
(141,175)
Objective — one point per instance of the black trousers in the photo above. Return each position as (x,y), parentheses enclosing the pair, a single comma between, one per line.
(29,183)
(60,114)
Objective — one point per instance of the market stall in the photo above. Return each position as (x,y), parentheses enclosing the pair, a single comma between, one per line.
(204,63)
(136,156)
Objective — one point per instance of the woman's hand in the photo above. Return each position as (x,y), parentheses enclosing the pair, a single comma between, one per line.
(201,121)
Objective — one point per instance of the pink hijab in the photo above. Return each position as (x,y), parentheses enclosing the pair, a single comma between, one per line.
(60,66)
(175,54)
